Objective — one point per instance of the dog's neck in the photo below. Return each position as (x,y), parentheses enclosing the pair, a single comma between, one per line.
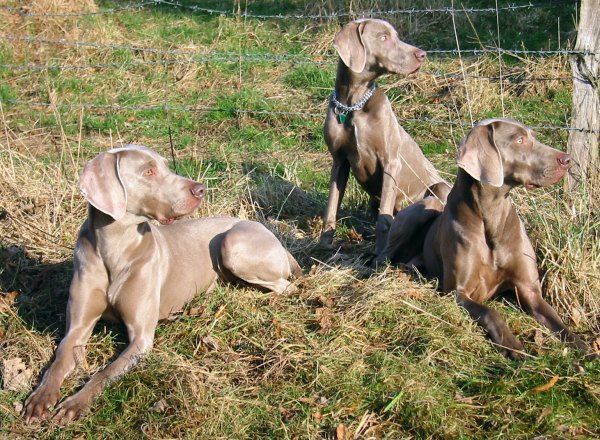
(350,86)
(128,232)
(488,203)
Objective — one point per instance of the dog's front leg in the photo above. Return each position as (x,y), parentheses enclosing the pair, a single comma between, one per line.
(389,187)
(530,298)
(340,171)
(76,405)
(138,305)
(506,342)
(85,307)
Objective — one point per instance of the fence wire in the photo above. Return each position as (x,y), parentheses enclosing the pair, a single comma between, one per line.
(197,57)
(24,11)
(298,58)
(215,56)
(247,111)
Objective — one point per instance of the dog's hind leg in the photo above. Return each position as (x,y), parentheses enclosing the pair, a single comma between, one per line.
(253,254)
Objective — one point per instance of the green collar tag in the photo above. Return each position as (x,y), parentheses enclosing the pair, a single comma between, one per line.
(342,118)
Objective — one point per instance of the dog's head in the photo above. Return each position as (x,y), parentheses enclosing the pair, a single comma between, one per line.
(137,181)
(373,45)
(501,152)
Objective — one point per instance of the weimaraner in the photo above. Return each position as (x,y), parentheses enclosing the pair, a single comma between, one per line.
(477,245)
(363,134)
(126,268)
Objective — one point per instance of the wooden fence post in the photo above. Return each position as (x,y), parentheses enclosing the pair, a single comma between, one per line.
(583,146)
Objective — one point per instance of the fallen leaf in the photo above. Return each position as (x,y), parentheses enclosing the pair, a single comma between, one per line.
(328,302)
(576,316)
(320,400)
(194,311)
(173,316)
(596,345)
(161,406)
(354,236)
(288,414)
(324,318)
(318,416)
(8,299)
(15,376)
(210,342)
(543,415)
(414,294)
(340,432)
(316,399)
(572,430)
(313,269)
(18,406)
(538,338)
(546,386)
(462,399)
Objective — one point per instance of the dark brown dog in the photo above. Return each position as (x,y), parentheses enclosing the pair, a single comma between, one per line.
(363,134)
(477,245)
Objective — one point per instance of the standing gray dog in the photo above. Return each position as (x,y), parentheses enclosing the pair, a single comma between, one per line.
(363,134)
(126,268)
(477,245)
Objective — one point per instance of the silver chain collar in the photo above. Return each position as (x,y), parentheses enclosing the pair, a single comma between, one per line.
(343,109)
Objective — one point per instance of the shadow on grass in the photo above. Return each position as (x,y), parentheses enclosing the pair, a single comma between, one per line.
(42,292)
(42,289)
(283,203)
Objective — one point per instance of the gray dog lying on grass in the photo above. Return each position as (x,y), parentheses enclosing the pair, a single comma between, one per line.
(477,245)
(126,268)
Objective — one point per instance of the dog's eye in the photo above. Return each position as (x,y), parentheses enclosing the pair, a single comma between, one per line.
(149,172)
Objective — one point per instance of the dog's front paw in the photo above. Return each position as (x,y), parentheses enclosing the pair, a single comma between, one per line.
(512,348)
(39,404)
(71,409)
(326,239)
(514,355)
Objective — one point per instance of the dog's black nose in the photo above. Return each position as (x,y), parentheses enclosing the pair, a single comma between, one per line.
(197,190)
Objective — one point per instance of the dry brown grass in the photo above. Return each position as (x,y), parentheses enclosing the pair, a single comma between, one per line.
(381,354)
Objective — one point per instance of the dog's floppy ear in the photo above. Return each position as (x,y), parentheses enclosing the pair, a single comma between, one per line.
(101,185)
(479,156)
(349,45)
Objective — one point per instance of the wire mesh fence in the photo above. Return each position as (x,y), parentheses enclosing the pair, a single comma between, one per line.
(147,56)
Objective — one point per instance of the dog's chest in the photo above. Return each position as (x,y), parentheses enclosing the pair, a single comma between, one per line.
(351,141)
(492,266)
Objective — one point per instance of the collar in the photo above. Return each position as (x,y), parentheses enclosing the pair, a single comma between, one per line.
(342,109)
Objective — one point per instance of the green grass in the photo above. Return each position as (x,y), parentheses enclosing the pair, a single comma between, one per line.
(393,358)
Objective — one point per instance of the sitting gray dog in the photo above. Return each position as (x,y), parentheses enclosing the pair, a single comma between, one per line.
(126,268)
(363,134)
